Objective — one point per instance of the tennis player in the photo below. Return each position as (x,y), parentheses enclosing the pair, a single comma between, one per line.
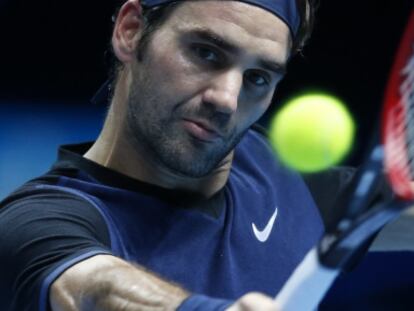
(179,203)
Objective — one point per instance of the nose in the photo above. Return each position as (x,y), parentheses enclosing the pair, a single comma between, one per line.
(224,91)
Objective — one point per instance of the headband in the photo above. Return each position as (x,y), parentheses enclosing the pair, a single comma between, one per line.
(286,10)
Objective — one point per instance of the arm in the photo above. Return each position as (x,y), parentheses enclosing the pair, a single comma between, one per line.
(105,282)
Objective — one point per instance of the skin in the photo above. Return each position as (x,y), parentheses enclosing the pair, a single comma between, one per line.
(175,118)
(153,133)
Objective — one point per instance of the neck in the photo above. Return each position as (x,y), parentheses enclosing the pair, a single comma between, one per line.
(114,150)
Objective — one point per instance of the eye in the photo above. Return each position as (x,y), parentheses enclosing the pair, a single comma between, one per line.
(207,54)
(258,79)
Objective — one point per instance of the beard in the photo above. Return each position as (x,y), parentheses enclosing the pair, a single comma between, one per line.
(155,127)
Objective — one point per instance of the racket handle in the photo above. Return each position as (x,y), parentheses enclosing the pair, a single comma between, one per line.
(307,285)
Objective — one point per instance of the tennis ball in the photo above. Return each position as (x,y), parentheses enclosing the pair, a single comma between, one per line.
(312,132)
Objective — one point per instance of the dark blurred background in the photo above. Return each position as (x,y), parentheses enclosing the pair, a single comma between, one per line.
(52,60)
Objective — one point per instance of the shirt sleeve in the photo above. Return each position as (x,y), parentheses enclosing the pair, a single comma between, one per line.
(41,235)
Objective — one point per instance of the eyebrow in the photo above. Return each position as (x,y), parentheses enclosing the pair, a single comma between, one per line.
(273,66)
(214,38)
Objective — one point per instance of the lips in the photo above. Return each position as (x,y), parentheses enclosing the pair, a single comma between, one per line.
(201,130)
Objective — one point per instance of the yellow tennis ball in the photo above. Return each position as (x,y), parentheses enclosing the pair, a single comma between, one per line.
(312,132)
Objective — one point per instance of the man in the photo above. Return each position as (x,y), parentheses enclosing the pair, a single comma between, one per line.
(180,203)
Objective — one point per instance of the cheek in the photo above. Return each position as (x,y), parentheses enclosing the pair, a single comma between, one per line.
(253,111)
(171,75)
(246,116)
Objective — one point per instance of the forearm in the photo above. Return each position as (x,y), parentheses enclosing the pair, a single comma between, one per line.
(108,283)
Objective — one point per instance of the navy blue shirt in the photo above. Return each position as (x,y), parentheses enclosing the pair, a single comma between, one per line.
(208,246)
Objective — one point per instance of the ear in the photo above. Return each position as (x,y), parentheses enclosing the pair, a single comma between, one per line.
(127,31)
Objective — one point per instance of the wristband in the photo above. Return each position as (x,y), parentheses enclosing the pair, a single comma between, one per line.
(204,303)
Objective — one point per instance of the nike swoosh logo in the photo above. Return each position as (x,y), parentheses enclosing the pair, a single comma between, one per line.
(263,235)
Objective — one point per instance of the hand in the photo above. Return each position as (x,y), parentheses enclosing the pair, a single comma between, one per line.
(254,302)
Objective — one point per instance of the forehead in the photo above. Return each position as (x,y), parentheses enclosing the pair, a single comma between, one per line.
(251,28)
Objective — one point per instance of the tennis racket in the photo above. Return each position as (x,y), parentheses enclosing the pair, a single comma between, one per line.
(393,155)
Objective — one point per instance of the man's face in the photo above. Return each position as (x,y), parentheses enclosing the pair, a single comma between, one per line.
(205,77)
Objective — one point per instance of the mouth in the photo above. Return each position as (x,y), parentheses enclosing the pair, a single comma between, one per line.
(201,130)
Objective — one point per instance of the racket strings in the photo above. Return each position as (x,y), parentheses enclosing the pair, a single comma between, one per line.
(399,131)
(407,101)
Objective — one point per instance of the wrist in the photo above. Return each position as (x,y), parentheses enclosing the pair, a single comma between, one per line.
(198,302)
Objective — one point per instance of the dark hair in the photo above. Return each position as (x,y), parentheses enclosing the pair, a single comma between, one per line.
(307,10)
(154,18)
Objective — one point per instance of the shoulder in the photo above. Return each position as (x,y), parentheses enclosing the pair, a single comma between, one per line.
(38,205)
(39,192)
(43,230)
